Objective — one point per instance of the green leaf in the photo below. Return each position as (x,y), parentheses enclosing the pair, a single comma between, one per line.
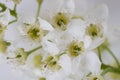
(3,7)
(13,13)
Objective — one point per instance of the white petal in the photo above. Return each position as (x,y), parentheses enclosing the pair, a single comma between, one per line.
(90,61)
(57,75)
(5,17)
(27,19)
(65,62)
(87,42)
(75,65)
(45,25)
(81,7)
(76,28)
(22,29)
(50,47)
(98,14)
(68,6)
(96,42)
(49,8)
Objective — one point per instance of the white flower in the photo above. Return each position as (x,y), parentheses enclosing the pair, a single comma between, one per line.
(29,33)
(74,39)
(87,63)
(59,44)
(75,32)
(77,44)
(60,13)
(49,66)
(96,20)
(20,56)
(34,29)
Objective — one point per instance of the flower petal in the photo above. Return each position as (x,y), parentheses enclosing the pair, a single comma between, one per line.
(45,25)
(50,47)
(76,28)
(99,14)
(5,17)
(96,42)
(65,62)
(90,61)
(68,6)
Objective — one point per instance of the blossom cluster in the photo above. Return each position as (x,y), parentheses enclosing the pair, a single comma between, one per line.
(57,43)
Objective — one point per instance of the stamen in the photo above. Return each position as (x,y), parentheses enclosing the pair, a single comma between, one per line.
(61,21)
(76,48)
(94,30)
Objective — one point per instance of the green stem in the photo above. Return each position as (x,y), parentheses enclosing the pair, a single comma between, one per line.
(15,6)
(110,69)
(99,54)
(14,13)
(105,71)
(62,54)
(12,21)
(33,50)
(38,10)
(112,54)
(78,17)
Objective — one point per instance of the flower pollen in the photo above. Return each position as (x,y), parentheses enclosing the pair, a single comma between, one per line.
(94,31)
(76,48)
(61,21)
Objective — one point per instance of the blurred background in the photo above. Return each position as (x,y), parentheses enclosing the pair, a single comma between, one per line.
(30,7)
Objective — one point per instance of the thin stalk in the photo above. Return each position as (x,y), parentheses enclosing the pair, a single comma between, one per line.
(112,54)
(15,6)
(110,69)
(62,54)
(33,50)
(38,10)
(105,71)
(12,21)
(99,54)
(14,14)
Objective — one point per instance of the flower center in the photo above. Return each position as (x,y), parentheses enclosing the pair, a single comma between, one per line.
(34,33)
(3,46)
(61,21)
(50,63)
(95,77)
(76,48)
(42,78)
(94,31)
